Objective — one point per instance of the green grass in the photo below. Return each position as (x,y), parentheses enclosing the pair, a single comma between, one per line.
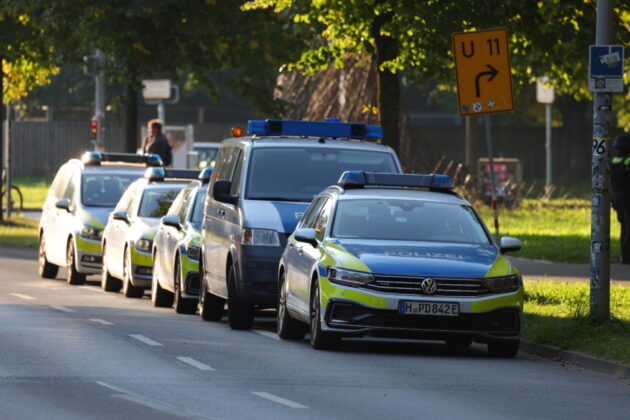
(555,230)
(19,231)
(34,190)
(557,314)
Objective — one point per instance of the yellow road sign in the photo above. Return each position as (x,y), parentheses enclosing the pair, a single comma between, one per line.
(482,65)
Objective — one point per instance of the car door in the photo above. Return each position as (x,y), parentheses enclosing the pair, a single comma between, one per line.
(309,255)
(117,237)
(63,218)
(174,237)
(50,214)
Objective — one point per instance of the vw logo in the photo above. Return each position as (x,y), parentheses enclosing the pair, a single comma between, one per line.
(429,286)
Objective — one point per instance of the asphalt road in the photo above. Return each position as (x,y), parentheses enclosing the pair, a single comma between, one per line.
(70,352)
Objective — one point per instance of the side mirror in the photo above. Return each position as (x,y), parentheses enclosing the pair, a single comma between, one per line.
(63,204)
(172,221)
(308,236)
(510,244)
(221,192)
(120,215)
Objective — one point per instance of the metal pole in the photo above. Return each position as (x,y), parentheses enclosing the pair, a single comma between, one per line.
(7,157)
(161,111)
(548,144)
(495,211)
(1,131)
(600,181)
(99,101)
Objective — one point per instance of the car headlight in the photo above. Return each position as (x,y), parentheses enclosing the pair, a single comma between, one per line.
(260,237)
(503,284)
(348,277)
(193,252)
(144,245)
(90,232)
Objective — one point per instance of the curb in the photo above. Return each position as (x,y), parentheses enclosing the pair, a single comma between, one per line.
(554,353)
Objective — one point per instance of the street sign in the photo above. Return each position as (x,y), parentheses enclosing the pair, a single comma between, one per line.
(544,95)
(605,70)
(482,65)
(156,89)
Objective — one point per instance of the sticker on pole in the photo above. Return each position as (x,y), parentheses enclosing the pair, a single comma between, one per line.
(482,66)
(600,147)
(605,70)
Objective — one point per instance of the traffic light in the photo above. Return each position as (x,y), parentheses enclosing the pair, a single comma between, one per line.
(93,130)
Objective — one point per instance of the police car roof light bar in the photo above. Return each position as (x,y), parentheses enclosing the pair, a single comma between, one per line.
(329,129)
(96,158)
(359,179)
(161,174)
(205,175)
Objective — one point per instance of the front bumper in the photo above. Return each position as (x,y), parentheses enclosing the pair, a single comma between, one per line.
(351,311)
(141,267)
(257,282)
(89,255)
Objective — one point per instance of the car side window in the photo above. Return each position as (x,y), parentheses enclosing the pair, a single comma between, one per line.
(311,223)
(322,220)
(70,189)
(221,168)
(183,210)
(124,200)
(177,204)
(237,173)
(61,182)
(308,220)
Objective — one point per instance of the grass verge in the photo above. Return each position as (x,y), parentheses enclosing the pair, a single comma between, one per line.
(34,190)
(19,231)
(555,230)
(557,314)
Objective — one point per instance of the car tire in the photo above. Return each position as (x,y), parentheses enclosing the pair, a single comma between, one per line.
(109,283)
(460,342)
(128,289)
(211,307)
(288,328)
(160,297)
(320,340)
(73,276)
(182,305)
(45,269)
(240,314)
(506,349)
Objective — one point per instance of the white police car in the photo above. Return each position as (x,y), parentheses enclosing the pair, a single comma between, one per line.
(260,187)
(398,255)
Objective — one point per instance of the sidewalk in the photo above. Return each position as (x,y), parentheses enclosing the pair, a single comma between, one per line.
(548,270)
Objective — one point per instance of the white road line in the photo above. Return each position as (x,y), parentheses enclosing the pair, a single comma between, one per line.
(195,363)
(279,400)
(21,296)
(267,334)
(101,321)
(62,308)
(144,339)
(138,399)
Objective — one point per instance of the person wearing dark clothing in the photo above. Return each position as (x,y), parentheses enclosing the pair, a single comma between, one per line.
(620,186)
(157,143)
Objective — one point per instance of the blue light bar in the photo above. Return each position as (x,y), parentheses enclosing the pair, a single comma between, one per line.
(96,158)
(358,179)
(330,128)
(205,175)
(161,174)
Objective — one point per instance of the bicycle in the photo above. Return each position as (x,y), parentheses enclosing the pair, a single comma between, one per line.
(15,196)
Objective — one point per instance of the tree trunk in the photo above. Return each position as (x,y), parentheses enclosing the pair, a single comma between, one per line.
(131,118)
(388,84)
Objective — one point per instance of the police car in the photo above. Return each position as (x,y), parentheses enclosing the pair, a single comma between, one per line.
(260,187)
(82,195)
(398,255)
(128,235)
(176,249)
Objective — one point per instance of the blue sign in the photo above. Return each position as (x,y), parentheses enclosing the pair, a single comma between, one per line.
(606,61)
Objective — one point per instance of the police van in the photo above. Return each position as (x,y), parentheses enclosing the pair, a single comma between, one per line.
(260,187)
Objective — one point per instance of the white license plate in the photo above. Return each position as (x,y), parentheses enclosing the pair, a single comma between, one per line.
(428,308)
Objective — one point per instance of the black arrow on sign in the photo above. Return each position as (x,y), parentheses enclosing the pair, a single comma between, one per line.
(492,72)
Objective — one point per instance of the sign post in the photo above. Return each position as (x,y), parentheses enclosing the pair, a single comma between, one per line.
(545,95)
(484,84)
(156,92)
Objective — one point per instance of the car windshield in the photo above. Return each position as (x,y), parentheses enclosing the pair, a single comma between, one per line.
(197,214)
(206,156)
(408,220)
(299,173)
(156,201)
(104,190)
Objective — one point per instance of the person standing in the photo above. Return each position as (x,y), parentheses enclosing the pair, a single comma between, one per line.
(620,186)
(157,143)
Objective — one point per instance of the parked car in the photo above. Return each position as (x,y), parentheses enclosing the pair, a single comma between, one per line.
(203,155)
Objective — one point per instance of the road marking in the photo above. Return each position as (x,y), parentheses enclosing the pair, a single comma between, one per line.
(21,296)
(101,321)
(138,399)
(62,308)
(279,400)
(267,334)
(195,363)
(144,339)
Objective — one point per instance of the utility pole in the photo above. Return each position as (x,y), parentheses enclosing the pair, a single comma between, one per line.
(600,213)
(1,133)
(94,67)
(545,95)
